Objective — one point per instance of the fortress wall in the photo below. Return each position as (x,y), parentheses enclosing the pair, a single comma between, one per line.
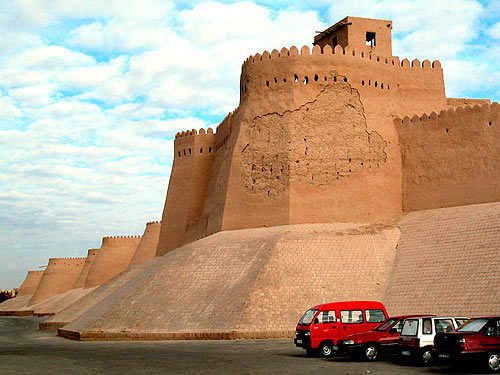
(82,278)
(30,283)
(187,188)
(447,262)
(147,246)
(296,103)
(113,257)
(451,158)
(59,276)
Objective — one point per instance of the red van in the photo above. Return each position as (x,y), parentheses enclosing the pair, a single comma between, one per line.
(322,326)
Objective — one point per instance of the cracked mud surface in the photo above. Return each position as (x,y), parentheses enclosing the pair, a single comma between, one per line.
(320,142)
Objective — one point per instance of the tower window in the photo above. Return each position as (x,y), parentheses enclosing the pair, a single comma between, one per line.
(370,39)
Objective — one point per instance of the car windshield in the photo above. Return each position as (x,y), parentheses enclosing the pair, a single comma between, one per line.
(384,326)
(307,317)
(473,325)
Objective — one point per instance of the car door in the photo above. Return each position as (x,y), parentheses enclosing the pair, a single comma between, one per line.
(352,322)
(326,326)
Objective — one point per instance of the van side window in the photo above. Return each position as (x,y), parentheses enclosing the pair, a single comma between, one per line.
(351,316)
(375,316)
(444,325)
(326,317)
(490,331)
(427,326)
(498,327)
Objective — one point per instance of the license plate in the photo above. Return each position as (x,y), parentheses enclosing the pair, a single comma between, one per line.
(405,352)
(299,341)
(335,347)
(444,355)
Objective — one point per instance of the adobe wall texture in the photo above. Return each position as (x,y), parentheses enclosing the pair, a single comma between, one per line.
(447,262)
(59,276)
(113,257)
(451,158)
(30,283)
(146,248)
(82,278)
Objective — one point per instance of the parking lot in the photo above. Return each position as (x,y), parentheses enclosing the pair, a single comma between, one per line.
(26,350)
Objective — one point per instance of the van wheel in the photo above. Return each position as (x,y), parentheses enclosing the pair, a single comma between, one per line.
(426,357)
(494,362)
(326,349)
(371,352)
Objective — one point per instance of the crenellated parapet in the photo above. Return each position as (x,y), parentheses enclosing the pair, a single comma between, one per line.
(153,222)
(194,143)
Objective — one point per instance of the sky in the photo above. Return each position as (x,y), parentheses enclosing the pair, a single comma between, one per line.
(92,93)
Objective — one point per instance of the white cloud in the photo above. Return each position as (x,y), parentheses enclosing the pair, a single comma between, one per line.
(494,31)
(33,96)
(8,110)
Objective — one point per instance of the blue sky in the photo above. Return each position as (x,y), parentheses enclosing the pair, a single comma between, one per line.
(92,94)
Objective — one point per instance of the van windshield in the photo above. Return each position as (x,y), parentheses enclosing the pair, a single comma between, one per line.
(307,317)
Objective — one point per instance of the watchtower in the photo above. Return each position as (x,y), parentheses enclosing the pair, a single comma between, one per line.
(361,34)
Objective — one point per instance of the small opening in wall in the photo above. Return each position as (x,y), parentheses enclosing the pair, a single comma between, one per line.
(335,79)
(210,149)
(345,79)
(370,39)
(201,150)
(376,83)
(369,82)
(326,79)
(489,123)
(267,83)
(316,77)
(179,153)
(295,78)
(284,80)
(335,41)
(382,86)
(362,83)
(189,151)
(447,130)
(184,152)
(388,87)
(275,80)
(245,87)
(306,80)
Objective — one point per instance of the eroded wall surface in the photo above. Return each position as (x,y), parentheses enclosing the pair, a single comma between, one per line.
(447,262)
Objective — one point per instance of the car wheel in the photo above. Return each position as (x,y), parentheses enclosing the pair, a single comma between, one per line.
(371,352)
(426,357)
(326,350)
(494,362)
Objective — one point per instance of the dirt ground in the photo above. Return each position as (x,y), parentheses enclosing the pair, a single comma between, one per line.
(26,350)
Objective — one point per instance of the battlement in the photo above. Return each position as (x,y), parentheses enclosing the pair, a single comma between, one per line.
(338,51)
(35,272)
(194,143)
(447,113)
(153,222)
(116,237)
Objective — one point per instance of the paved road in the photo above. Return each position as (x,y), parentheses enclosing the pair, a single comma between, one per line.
(26,350)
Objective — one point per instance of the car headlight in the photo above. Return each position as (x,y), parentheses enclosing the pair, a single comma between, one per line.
(348,342)
(296,333)
(307,333)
